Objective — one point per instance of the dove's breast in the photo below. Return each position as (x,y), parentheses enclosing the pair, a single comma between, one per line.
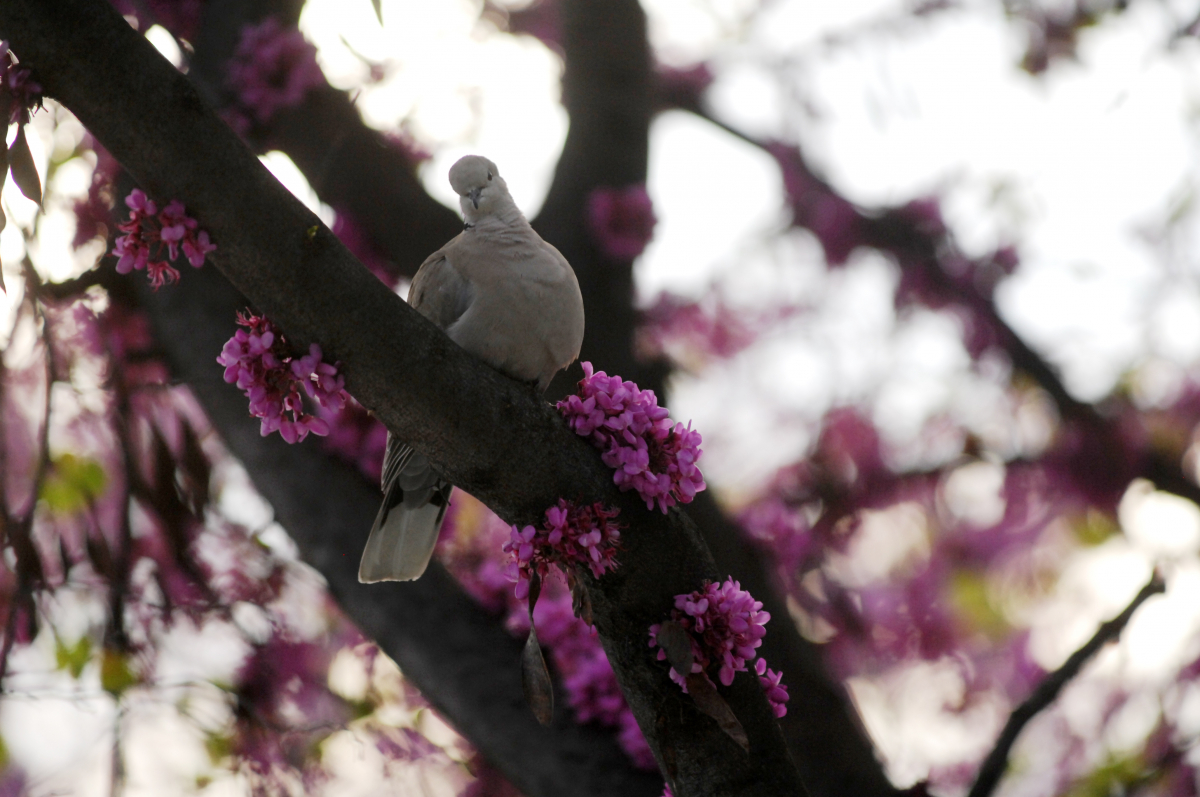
(526,312)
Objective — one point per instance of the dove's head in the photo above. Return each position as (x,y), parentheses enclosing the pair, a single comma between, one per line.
(484,192)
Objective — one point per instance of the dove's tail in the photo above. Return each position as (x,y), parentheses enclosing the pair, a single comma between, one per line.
(406,528)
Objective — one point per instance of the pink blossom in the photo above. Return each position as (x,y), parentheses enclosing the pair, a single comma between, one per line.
(93,215)
(636,439)
(727,626)
(351,233)
(571,536)
(257,360)
(777,693)
(815,206)
(691,332)
(273,68)
(148,231)
(621,220)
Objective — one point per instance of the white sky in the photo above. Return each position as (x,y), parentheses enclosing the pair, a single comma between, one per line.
(1082,168)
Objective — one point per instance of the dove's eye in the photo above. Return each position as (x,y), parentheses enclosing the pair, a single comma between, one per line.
(489,177)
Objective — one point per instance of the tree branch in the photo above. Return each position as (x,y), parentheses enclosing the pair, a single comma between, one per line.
(352,167)
(487,434)
(608,90)
(461,658)
(996,763)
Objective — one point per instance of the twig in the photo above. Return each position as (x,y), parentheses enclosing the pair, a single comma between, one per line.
(996,763)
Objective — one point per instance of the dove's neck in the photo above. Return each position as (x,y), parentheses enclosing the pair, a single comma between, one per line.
(503,215)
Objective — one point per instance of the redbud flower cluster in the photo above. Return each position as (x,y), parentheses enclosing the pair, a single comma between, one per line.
(637,439)
(273,68)
(149,232)
(621,220)
(572,535)
(727,626)
(257,360)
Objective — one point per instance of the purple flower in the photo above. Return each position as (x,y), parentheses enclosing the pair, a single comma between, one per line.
(834,221)
(571,536)
(257,360)
(777,693)
(636,439)
(148,231)
(621,220)
(273,68)
(727,626)
(351,233)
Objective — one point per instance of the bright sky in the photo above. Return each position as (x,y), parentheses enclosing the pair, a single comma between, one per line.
(1090,169)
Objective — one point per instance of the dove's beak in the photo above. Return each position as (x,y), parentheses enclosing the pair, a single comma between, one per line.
(473,195)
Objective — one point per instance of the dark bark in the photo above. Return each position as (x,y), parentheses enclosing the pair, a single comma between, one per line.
(461,658)
(486,433)
(608,90)
(352,167)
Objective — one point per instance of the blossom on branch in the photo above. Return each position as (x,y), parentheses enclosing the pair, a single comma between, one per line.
(149,231)
(726,626)
(572,535)
(273,68)
(636,439)
(621,220)
(257,360)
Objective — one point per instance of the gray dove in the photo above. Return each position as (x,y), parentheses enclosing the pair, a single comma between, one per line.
(509,298)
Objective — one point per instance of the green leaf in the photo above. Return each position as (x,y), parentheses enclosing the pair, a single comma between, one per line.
(708,700)
(1113,777)
(115,673)
(75,657)
(24,172)
(72,483)
(535,680)
(1094,527)
(969,594)
(218,746)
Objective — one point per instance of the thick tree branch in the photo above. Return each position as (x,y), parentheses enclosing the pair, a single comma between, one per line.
(352,167)
(608,90)
(1047,691)
(463,661)
(487,433)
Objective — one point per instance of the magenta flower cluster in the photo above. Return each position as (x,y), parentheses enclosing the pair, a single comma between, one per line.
(572,535)
(23,94)
(727,626)
(149,232)
(273,68)
(257,360)
(636,439)
(621,220)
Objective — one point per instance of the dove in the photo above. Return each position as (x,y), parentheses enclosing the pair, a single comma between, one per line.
(507,297)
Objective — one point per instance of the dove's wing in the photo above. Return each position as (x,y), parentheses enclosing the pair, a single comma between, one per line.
(438,291)
(406,528)
(414,497)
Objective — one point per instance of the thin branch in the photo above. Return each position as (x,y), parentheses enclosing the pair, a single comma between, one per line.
(1107,462)
(996,763)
